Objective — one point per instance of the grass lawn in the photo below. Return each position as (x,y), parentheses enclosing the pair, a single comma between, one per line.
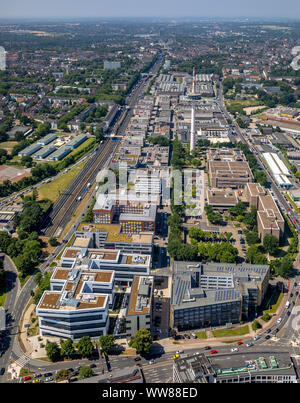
(239,331)
(51,190)
(274,302)
(8,145)
(201,335)
(2,298)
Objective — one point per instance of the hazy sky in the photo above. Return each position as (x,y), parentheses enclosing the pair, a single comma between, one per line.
(144,8)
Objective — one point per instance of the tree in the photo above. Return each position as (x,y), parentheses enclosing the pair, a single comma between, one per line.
(63,374)
(67,349)
(53,351)
(85,346)
(141,341)
(106,342)
(252,237)
(256,325)
(27,161)
(53,241)
(252,251)
(85,372)
(286,267)
(270,244)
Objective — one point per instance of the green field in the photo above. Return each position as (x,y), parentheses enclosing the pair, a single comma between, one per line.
(239,331)
(51,190)
(8,145)
(201,335)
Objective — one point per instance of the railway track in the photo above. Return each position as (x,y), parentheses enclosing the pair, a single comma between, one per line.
(68,202)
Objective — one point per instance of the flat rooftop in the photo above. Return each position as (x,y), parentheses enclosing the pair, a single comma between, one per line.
(140,302)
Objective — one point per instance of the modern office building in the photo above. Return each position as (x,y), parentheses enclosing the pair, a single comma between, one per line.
(110,237)
(135,214)
(240,367)
(228,168)
(139,310)
(77,304)
(125,265)
(269,218)
(214,294)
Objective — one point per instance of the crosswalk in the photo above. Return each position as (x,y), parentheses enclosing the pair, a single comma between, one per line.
(22,361)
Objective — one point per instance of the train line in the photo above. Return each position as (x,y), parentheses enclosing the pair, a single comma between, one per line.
(68,202)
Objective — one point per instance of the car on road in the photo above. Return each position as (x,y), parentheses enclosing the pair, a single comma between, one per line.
(27,378)
(268,331)
(291,294)
(279,320)
(288,313)
(137,359)
(152,362)
(2,370)
(267,337)
(249,344)
(213,352)
(239,343)
(297,293)
(234,349)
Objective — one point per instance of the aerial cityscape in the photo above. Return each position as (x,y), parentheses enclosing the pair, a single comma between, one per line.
(149,195)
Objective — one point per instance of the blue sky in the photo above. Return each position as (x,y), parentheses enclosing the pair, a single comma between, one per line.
(144,8)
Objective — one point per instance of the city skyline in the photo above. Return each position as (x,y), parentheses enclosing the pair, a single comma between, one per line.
(169,9)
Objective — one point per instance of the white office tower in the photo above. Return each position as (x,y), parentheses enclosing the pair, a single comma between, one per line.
(193,133)
(2,58)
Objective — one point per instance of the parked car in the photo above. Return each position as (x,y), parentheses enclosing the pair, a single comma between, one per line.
(137,359)
(49,379)
(279,320)
(239,343)
(37,375)
(179,352)
(207,348)
(249,344)
(2,370)
(267,337)
(152,362)
(93,365)
(268,331)
(27,378)
(47,374)
(213,352)
(234,349)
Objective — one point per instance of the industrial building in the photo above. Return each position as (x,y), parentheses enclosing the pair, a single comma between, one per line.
(215,294)
(47,139)
(278,169)
(240,367)
(44,152)
(29,150)
(76,141)
(60,153)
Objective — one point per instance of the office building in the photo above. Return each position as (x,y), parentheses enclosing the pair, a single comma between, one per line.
(215,294)
(240,367)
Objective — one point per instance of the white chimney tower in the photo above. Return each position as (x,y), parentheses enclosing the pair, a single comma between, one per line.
(193,133)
